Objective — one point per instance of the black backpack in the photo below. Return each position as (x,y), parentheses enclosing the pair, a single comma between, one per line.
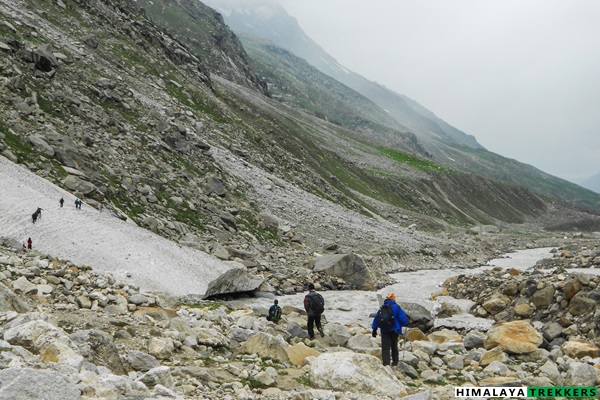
(315,304)
(275,313)
(385,317)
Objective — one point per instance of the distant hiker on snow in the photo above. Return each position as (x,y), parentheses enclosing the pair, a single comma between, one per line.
(314,304)
(78,204)
(37,214)
(389,319)
(61,201)
(274,312)
(29,243)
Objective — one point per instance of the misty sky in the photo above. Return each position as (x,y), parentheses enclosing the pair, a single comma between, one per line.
(523,76)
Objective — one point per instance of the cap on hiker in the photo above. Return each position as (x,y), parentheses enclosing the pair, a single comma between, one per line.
(391,296)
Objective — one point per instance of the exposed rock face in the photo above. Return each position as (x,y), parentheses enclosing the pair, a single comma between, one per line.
(349,267)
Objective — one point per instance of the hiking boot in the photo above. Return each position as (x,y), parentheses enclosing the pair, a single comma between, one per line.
(322,333)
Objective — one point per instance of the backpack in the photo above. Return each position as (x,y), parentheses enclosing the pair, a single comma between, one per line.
(275,314)
(315,304)
(385,317)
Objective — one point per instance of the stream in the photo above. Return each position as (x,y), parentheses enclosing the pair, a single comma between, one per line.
(355,306)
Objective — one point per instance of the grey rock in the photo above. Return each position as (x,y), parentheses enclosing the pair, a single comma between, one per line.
(141,361)
(33,384)
(97,347)
(235,280)
(349,267)
(10,301)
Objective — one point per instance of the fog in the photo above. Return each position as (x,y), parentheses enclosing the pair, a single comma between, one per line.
(521,76)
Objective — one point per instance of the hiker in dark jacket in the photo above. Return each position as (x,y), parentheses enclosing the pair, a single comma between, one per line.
(61,201)
(29,244)
(313,304)
(389,336)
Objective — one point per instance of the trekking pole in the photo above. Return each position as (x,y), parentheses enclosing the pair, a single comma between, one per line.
(403,342)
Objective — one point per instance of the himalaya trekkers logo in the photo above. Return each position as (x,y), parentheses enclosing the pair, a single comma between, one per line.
(536,392)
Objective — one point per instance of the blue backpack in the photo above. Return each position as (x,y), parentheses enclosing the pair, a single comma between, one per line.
(385,317)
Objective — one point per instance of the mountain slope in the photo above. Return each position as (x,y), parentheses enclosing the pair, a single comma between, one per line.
(115,109)
(593,183)
(270,21)
(100,239)
(440,141)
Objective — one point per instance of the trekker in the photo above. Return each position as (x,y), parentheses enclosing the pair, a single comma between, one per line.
(61,201)
(314,304)
(37,214)
(389,319)
(29,243)
(78,204)
(274,312)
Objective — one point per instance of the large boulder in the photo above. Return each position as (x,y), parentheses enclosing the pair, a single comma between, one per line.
(582,374)
(581,304)
(580,349)
(517,337)
(266,345)
(10,301)
(52,344)
(44,58)
(354,372)
(349,267)
(76,184)
(98,348)
(237,280)
(34,384)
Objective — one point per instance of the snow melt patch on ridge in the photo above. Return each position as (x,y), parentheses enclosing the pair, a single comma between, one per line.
(98,239)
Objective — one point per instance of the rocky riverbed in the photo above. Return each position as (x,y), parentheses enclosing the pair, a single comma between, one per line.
(69,332)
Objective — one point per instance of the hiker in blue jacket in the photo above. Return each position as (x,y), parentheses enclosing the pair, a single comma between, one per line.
(389,319)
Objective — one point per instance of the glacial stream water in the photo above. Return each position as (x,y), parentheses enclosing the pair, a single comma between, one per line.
(356,306)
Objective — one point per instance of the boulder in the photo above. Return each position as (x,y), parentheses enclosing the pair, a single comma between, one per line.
(76,184)
(580,349)
(266,345)
(543,297)
(161,348)
(571,288)
(210,337)
(41,145)
(98,348)
(582,374)
(517,337)
(44,59)
(34,384)
(10,301)
(350,267)
(353,372)
(496,303)
(141,361)
(214,185)
(581,304)
(52,344)
(298,353)
(237,280)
